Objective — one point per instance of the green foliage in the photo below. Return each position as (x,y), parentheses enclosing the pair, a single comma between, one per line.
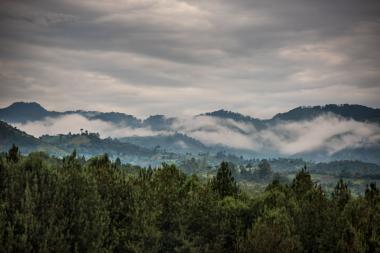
(73,205)
(302,183)
(264,171)
(341,194)
(224,183)
(13,154)
(273,232)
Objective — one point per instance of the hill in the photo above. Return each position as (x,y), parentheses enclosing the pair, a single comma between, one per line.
(158,122)
(356,112)
(27,143)
(172,143)
(90,144)
(228,131)
(21,112)
(223,114)
(112,117)
(346,169)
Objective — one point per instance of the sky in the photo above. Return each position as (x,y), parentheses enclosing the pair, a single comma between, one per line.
(178,58)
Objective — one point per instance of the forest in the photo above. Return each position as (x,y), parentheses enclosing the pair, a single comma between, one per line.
(72,204)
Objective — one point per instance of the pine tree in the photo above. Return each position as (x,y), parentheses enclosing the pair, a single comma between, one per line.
(224,183)
(13,154)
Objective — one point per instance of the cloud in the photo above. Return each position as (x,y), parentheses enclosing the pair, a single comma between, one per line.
(312,52)
(74,123)
(213,131)
(186,57)
(328,132)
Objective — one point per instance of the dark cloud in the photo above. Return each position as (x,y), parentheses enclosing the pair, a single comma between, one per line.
(184,57)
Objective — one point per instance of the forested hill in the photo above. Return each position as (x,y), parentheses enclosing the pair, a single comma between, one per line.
(85,143)
(346,169)
(91,143)
(356,112)
(10,135)
(317,133)
(178,143)
(77,205)
(223,114)
(21,112)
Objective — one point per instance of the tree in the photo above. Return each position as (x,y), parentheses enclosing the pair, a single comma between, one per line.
(372,194)
(171,193)
(350,241)
(224,183)
(273,232)
(13,154)
(50,204)
(302,183)
(264,172)
(84,211)
(372,231)
(341,194)
(118,163)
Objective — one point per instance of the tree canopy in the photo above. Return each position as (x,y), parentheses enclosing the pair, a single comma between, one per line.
(50,204)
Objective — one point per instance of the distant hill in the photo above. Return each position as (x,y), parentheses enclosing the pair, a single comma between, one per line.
(179,143)
(346,168)
(21,112)
(91,144)
(112,117)
(228,121)
(86,144)
(356,112)
(368,154)
(158,122)
(10,135)
(223,114)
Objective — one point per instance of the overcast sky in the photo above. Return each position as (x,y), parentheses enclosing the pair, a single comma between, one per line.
(257,57)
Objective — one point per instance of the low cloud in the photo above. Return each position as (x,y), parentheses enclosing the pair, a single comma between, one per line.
(329,132)
(75,122)
(214,131)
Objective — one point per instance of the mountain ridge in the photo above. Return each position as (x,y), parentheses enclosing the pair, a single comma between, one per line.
(84,143)
(21,112)
(353,111)
(228,127)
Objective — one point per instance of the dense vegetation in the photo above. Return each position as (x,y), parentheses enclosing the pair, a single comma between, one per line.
(73,205)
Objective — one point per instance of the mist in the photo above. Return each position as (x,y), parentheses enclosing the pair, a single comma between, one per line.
(74,123)
(328,132)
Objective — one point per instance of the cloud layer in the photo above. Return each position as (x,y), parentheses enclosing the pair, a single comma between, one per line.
(184,57)
(74,123)
(328,133)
